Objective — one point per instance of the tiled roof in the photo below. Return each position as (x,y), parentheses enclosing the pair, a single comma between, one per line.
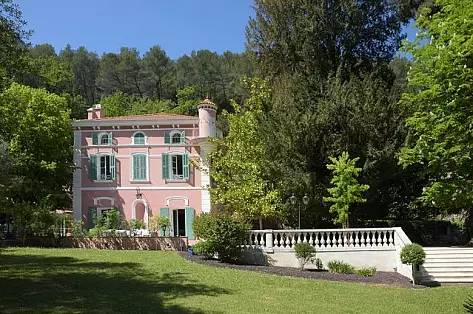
(153,116)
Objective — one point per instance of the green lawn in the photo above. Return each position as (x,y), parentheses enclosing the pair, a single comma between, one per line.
(93,281)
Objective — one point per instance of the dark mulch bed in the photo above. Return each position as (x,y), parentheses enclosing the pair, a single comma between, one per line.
(380,278)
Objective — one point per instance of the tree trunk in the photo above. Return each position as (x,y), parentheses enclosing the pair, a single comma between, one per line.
(260,224)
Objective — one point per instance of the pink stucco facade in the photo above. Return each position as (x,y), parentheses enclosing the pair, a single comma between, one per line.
(156,153)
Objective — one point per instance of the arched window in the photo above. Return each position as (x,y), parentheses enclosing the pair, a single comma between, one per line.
(175,137)
(105,139)
(102,138)
(139,138)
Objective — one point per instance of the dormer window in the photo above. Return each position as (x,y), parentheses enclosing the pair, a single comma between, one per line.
(175,137)
(139,138)
(104,139)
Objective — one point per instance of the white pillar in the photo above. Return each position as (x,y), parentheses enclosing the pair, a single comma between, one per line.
(77,178)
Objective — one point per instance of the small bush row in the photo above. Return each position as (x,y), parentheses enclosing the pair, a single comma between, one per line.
(339,267)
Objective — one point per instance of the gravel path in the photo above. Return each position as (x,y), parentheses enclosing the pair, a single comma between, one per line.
(380,278)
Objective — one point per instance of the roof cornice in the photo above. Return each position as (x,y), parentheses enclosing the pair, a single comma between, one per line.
(95,123)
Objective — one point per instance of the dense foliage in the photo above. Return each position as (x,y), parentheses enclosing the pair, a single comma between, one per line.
(222,233)
(241,180)
(440,127)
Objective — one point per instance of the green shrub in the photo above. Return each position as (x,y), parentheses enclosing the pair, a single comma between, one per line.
(111,219)
(223,233)
(318,264)
(204,249)
(78,228)
(340,267)
(413,254)
(124,225)
(137,224)
(204,225)
(305,253)
(366,272)
(96,231)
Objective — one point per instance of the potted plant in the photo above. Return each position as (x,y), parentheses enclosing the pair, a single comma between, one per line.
(413,254)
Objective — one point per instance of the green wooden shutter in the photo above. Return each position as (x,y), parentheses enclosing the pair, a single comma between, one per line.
(112,166)
(91,215)
(95,139)
(164,212)
(183,137)
(185,166)
(93,167)
(110,138)
(167,138)
(165,160)
(144,169)
(139,167)
(189,220)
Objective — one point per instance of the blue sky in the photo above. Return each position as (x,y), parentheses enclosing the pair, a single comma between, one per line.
(178,26)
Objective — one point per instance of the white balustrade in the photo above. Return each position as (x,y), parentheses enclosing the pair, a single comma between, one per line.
(325,239)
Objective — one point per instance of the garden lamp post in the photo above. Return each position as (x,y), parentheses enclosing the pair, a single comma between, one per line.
(305,201)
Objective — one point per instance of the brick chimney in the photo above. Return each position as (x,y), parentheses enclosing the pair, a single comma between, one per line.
(96,112)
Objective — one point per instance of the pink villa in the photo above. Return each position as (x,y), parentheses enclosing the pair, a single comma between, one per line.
(143,166)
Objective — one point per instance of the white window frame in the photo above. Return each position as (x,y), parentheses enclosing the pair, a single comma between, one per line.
(170,155)
(147,167)
(171,135)
(97,166)
(133,138)
(101,135)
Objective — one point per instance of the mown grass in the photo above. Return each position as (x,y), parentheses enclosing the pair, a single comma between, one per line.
(94,281)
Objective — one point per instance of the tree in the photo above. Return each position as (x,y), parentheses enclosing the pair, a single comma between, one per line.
(315,38)
(159,68)
(346,190)
(237,167)
(36,126)
(441,81)
(46,70)
(186,101)
(12,39)
(118,104)
(121,72)
(84,66)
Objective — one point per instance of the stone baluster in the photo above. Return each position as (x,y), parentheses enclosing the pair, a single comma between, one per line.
(269,239)
(304,237)
(287,240)
(293,242)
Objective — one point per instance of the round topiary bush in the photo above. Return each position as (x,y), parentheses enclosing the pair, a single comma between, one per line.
(413,254)
(223,234)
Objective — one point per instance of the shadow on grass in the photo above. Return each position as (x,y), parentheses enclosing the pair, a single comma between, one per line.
(45,284)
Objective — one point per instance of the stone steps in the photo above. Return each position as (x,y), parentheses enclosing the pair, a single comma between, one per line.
(447,265)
